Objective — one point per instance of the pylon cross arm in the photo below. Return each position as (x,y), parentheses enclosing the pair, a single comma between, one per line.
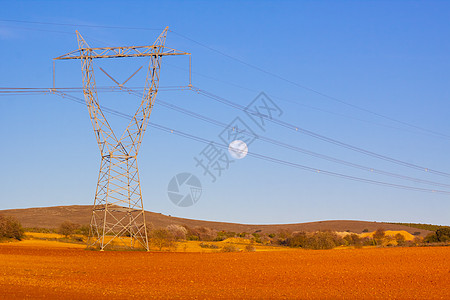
(117,52)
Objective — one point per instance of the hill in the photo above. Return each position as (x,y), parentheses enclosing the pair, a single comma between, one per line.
(52,217)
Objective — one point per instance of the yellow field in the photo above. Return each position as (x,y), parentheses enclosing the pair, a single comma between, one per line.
(408,236)
(40,240)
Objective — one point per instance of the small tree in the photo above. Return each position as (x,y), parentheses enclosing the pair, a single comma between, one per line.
(67,228)
(250,248)
(379,236)
(177,231)
(400,238)
(161,238)
(354,240)
(298,239)
(431,238)
(10,228)
(443,234)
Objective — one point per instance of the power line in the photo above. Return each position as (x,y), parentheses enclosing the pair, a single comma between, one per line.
(80,25)
(311,106)
(287,146)
(316,135)
(308,88)
(259,156)
(295,148)
(263,138)
(243,63)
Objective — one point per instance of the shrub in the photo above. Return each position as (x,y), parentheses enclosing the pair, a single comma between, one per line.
(283,234)
(192,238)
(256,237)
(223,235)
(379,236)
(416,233)
(210,246)
(365,230)
(83,230)
(297,240)
(354,240)
(10,228)
(323,240)
(250,248)
(316,240)
(178,232)
(431,238)
(400,238)
(161,238)
(443,234)
(203,233)
(67,228)
(230,248)
(416,241)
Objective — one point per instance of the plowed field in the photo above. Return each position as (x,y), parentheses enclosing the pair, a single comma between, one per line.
(69,273)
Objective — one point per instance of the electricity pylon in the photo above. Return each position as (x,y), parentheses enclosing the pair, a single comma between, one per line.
(118,211)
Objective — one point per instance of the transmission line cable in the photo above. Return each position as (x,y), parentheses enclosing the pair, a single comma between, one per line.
(259,156)
(263,138)
(316,135)
(308,88)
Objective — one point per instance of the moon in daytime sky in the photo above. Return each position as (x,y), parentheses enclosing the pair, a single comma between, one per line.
(238,149)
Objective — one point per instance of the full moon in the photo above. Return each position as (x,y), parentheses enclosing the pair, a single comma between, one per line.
(238,149)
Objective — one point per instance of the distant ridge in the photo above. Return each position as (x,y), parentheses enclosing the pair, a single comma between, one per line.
(52,217)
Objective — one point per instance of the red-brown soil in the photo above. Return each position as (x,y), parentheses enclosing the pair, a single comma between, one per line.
(382,273)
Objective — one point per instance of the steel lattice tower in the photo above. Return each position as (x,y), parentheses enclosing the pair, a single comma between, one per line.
(118,211)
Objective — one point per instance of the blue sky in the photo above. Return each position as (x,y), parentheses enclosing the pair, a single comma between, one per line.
(382,58)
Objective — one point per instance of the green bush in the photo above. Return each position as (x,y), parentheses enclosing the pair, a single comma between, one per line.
(10,228)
